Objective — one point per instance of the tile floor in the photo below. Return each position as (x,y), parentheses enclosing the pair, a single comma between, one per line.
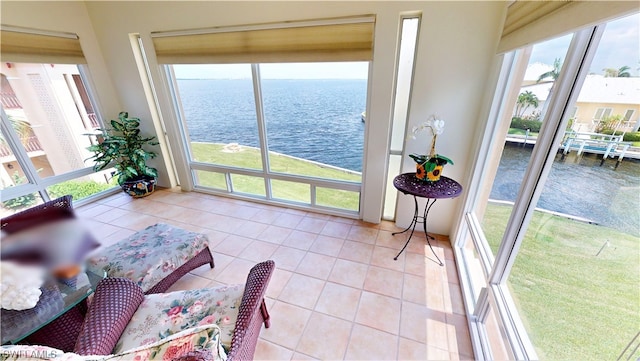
(336,294)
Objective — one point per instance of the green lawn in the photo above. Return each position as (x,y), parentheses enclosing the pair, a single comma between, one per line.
(285,190)
(575,305)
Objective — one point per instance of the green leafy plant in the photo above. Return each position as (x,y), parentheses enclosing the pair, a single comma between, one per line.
(20,202)
(122,146)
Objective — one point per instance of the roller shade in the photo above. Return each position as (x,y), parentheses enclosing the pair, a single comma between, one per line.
(348,40)
(22,46)
(529,22)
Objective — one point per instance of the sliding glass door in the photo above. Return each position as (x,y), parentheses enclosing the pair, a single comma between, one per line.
(550,250)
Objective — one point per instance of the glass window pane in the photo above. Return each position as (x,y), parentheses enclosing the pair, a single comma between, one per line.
(311,117)
(82,187)
(535,88)
(51,103)
(11,171)
(20,203)
(219,113)
(577,268)
(210,179)
(291,191)
(248,184)
(336,198)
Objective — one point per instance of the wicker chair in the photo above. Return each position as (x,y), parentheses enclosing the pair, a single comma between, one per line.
(116,300)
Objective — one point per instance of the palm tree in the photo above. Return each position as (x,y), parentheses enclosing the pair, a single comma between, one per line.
(553,73)
(623,72)
(525,100)
(22,127)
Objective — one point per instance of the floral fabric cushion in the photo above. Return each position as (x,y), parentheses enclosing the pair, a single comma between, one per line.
(163,314)
(201,338)
(150,255)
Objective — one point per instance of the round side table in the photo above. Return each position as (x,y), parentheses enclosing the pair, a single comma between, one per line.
(407,183)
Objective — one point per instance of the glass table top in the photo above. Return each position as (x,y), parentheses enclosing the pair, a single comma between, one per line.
(58,296)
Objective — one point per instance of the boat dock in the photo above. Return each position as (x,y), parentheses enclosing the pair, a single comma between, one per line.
(609,146)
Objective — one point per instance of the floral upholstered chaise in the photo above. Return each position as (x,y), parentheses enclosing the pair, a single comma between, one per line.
(122,323)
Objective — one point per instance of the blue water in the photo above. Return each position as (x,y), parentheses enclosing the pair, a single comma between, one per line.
(320,120)
(578,186)
(317,120)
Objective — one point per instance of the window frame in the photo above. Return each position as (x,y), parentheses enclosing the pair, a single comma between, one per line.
(581,51)
(36,183)
(265,172)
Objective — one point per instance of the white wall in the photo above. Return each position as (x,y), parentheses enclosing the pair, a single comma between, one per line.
(456,49)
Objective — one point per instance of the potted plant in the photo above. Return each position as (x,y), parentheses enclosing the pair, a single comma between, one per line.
(429,166)
(122,147)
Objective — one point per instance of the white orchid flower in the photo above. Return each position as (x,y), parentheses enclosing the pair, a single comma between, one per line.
(438,126)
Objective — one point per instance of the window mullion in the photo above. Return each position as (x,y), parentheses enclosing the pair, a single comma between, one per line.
(567,86)
(262,129)
(13,140)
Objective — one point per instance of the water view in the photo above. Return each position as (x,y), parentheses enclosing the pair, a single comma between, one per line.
(579,186)
(223,111)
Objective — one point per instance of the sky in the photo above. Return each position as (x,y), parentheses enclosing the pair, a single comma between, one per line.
(619,46)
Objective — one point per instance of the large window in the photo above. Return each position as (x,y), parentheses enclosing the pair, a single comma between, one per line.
(47,122)
(550,251)
(281,119)
(300,126)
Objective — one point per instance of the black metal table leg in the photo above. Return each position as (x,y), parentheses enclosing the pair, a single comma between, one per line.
(408,183)
(412,226)
(427,207)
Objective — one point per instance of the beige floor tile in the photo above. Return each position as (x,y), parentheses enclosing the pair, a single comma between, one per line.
(415,264)
(316,265)
(190,282)
(233,245)
(339,301)
(384,257)
(300,240)
(299,356)
(387,239)
(437,354)
(251,229)
(287,220)
(310,224)
(266,350)
(274,234)
(363,234)
(336,229)
(221,261)
(325,337)
(236,272)
(287,324)
(380,312)
(458,334)
(267,216)
(384,281)
(356,251)
(415,290)
(258,251)
(411,350)
(279,280)
(349,273)
(288,258)
(422,324)
(222,223)
(326,245)
(302,291)
(137,223)
(370,344)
